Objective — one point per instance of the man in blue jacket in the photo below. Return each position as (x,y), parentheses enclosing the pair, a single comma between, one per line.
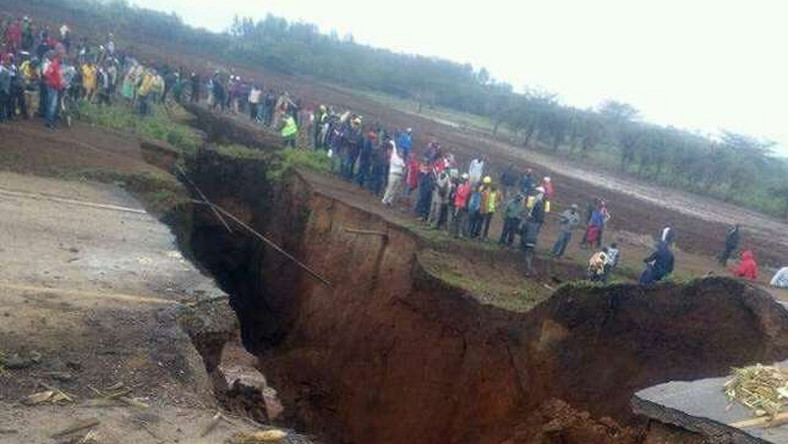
(404,143)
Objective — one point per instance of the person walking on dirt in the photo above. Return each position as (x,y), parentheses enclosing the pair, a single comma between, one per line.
(321,119)
(289,131)
(255,99)
(474,212)
(748,267)
(658,265)
(569,219)
(731,244)
(513,213)
(459,219)
(396,175)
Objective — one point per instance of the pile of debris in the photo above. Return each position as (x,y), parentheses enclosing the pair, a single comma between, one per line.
(762,389)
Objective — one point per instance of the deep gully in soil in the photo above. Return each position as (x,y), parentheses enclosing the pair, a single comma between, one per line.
(391,354)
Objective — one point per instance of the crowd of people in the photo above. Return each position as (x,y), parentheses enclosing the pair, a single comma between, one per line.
(45,68)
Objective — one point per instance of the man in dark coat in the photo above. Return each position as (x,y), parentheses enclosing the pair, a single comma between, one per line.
(731,243)
(658,265)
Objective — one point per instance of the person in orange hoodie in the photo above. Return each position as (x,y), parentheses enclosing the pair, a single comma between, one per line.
(747,268)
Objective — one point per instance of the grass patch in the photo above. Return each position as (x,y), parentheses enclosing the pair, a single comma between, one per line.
(289,159)
(157,126)
(241,152)
(159,192)
(508,290)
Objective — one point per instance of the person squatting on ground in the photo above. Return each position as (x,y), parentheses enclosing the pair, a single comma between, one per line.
(748,267)
(658,265)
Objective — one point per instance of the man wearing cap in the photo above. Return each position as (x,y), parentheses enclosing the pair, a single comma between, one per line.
(569,220)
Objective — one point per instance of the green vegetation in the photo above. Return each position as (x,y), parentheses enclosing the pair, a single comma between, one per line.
(157,126)
(508,290)
(241,152)
(289,159)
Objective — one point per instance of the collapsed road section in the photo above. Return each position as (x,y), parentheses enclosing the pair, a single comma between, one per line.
(390,352)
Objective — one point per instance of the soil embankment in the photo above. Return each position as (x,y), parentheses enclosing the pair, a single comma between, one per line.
(389,353)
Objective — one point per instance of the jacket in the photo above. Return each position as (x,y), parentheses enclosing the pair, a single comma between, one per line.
(290,128)
(662,261)
(569,220)
(462,194)
(747,268)
(515,208)
(732,241)
(53,77)
(538,212)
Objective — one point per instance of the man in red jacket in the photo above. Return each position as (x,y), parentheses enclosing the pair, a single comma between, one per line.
(53,79)
(458,220)
(747,268)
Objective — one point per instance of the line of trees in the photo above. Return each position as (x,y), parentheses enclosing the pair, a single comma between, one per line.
(733,167)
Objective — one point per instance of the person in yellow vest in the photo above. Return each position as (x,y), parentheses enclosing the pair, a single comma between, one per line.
(144,91)
(289,130)
(491,200)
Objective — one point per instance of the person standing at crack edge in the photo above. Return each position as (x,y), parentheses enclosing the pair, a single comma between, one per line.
(533,225)
(289,130)
(731,244)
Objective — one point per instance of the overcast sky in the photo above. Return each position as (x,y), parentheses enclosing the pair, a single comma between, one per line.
(695,64)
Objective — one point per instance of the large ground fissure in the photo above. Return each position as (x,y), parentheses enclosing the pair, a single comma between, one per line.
(391,354)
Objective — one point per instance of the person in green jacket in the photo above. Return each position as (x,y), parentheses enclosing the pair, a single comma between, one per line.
(513,214)
(289,130)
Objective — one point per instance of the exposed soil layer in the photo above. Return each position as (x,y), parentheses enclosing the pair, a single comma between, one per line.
(390,354)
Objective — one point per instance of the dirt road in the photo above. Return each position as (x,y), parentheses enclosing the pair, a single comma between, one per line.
(90,285)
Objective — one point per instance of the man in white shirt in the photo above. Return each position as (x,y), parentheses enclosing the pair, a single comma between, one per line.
(476,170)
(396,174)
